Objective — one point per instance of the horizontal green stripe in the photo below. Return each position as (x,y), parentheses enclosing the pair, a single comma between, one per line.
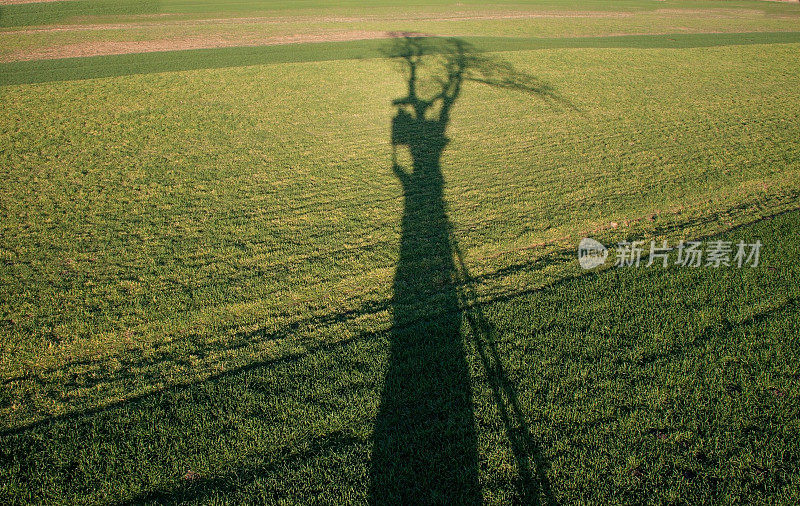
(36,71)
(43,13)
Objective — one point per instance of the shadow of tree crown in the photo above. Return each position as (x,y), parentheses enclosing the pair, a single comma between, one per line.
(436,68)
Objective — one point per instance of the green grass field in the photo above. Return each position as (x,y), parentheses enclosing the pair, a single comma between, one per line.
(217,286)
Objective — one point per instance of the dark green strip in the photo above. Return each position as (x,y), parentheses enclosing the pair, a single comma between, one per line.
(36,71)
(44,13)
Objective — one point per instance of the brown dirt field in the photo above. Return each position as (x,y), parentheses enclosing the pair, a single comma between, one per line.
(126,47)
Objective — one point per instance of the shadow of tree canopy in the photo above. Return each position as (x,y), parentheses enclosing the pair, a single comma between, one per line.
(424,439)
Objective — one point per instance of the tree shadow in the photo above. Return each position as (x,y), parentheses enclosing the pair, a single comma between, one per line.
(424,440)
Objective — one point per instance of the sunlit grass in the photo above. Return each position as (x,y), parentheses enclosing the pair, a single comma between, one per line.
(197,205)
(196,267)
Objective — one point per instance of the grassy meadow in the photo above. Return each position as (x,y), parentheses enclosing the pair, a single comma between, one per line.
(204,244)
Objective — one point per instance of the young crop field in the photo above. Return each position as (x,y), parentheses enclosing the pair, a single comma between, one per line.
(328,252)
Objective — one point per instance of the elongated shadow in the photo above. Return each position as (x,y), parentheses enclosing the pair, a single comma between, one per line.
(424,440)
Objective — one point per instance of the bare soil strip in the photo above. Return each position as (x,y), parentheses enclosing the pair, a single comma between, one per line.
(207,42)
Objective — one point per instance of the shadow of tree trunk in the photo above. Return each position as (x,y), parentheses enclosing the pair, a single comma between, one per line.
(424,440)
